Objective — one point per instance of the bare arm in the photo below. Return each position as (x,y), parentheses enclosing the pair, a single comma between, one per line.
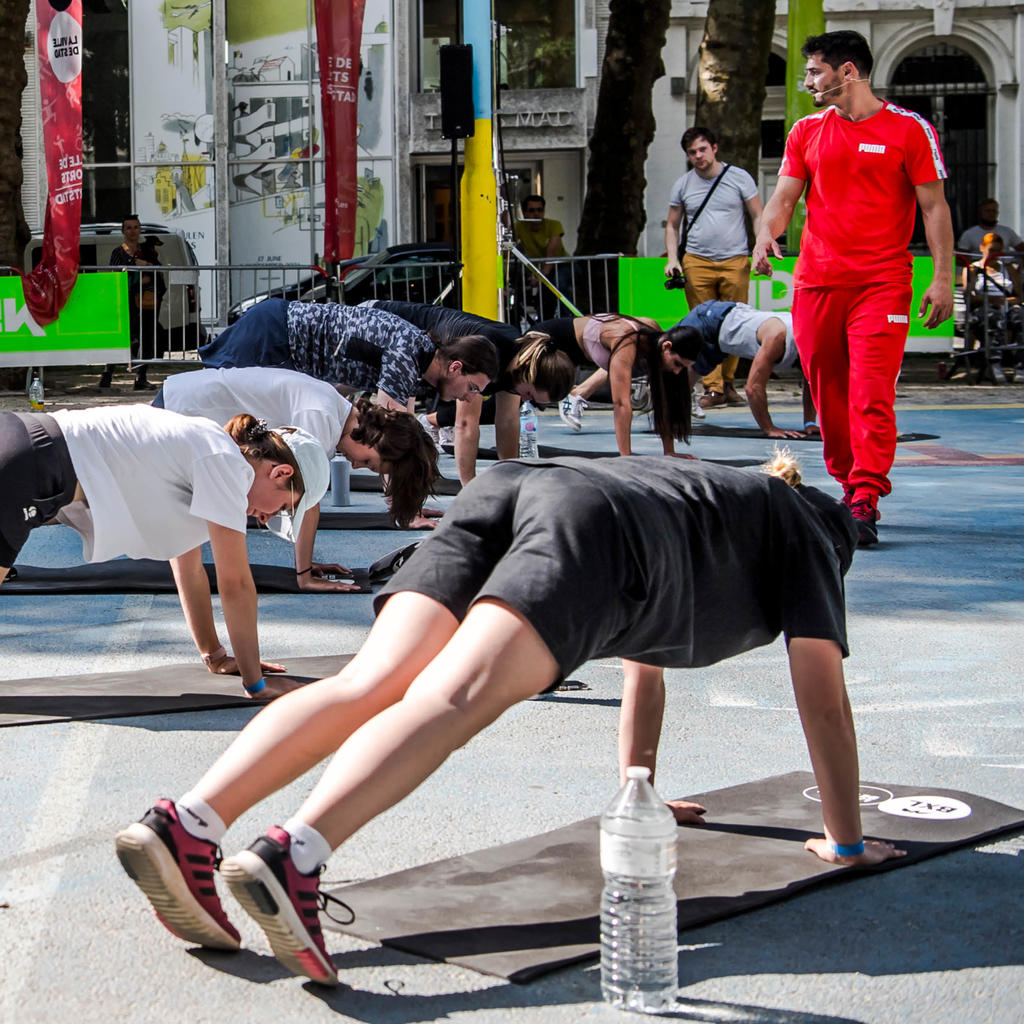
(640,716)
(467,436)
(620,373)
(772,335)
(816,667)
(238,606)
(672,224)
(308,573)
(194,595)
(640,719)
(774,219)
(506,424)
(755,208)
(938,230)
(387,402)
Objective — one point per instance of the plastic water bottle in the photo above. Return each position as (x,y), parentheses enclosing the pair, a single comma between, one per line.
(639,969)
(35,394)
(527,432)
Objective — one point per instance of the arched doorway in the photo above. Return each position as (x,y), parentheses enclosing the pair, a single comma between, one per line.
(947,86)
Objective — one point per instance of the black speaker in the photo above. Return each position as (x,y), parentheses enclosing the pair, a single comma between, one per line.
(456,91)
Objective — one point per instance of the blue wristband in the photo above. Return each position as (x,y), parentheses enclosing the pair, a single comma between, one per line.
(262,685)
(853,850)
(810,423)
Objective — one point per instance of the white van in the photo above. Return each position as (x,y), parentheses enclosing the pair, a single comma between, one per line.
(179,329)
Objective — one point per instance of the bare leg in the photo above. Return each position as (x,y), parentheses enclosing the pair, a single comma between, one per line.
(494,660)
(297,731)
(596,380)
(4,572)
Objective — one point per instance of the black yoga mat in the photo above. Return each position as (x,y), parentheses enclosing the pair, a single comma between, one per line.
(520,910)
(364,482)
(146,576)
(546,451)
(146,691)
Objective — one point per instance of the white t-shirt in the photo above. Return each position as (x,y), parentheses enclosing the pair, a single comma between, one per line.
(720,232)
(738,334)
(152,481)
(970,240)
(284,398)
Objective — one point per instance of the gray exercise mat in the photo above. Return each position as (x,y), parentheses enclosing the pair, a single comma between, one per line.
(147,691)
(520,910)
(147,576)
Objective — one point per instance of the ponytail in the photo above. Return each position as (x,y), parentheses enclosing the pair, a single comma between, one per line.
(541,363)
(259,443)
(783,464)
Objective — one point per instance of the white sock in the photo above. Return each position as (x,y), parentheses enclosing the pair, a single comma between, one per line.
(199,819)
(308,849)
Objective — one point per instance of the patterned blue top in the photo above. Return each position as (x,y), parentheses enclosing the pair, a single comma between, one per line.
(359,346)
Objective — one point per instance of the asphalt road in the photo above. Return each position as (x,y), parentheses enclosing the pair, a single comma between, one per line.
(935,615)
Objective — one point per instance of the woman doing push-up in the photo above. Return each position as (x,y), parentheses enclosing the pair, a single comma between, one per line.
(538,567)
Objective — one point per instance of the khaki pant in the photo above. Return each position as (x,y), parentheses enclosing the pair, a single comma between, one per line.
(728,281)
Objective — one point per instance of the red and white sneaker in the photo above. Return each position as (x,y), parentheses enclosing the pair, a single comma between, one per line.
(175,871)
(284,903)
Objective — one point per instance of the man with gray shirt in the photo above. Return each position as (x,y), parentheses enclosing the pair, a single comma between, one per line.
(712,243)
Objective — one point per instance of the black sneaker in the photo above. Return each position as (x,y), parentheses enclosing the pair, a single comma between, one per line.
(865,515)
(284,903)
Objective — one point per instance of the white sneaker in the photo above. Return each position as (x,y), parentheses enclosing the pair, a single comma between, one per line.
(432,432)
(696,412)
(446,435)
(570,409)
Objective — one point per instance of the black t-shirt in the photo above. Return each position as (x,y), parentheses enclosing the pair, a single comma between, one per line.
(446,324)
(665,561)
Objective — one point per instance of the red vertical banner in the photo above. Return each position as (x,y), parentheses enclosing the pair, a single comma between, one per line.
(339,30)
(59,47)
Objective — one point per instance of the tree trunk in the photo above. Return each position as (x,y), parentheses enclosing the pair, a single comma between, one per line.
(733,63)
(613,209)
(14,233)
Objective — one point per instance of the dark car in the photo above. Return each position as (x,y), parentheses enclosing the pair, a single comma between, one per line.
(416,272)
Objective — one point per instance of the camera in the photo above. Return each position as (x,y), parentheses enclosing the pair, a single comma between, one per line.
(676,280)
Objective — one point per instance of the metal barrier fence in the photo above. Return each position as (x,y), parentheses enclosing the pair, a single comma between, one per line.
(173,310)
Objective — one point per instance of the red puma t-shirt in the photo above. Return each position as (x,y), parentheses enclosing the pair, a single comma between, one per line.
(861,177)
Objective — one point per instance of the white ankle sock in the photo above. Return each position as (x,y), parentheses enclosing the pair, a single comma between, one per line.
(199,819)
(308,848)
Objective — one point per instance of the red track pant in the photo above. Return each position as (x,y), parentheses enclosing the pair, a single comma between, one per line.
(851,343)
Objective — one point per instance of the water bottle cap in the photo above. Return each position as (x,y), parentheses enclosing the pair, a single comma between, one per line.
(636,771)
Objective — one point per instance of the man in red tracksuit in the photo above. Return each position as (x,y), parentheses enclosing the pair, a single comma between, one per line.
(865,164)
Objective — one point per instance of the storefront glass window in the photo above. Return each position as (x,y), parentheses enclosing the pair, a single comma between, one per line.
(536,42)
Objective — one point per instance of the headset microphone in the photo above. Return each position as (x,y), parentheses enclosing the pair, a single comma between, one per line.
(836,88)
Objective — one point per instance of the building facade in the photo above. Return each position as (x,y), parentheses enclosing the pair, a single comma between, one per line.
(229,151)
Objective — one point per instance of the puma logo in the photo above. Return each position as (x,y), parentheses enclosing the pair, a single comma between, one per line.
(870,147)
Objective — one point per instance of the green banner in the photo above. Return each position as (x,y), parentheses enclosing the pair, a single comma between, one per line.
(642,292)
(92,327)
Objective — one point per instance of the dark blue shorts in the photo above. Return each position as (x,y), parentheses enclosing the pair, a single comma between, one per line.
(259,338)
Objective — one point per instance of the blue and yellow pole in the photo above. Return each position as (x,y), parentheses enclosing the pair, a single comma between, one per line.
(479,193)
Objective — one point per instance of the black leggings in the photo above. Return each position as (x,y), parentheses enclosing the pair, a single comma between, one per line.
(37,478)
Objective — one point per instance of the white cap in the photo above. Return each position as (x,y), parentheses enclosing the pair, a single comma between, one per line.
(316,475)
